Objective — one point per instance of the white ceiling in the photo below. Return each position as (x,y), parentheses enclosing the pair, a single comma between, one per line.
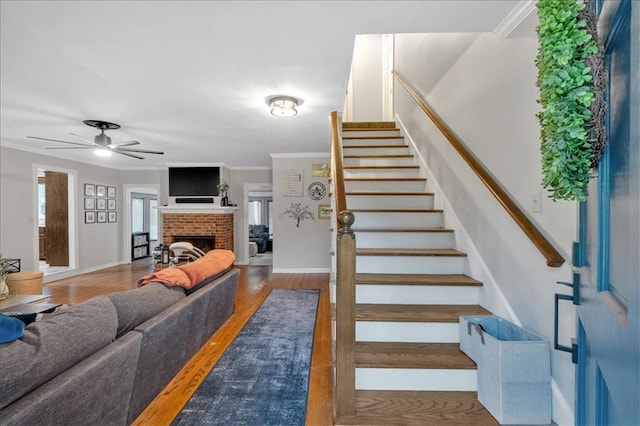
(191,78)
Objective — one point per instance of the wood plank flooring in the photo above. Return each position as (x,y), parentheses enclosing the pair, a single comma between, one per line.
(254,286)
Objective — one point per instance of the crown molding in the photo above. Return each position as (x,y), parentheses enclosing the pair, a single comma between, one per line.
(515,18)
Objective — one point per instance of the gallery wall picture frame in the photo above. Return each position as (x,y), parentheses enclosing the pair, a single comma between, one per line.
(111,191)
(324,211)
(89,203)
(89,217)
(112,217)
(101,204)
(111,204)
(89,190)
(101,217)
(101,191)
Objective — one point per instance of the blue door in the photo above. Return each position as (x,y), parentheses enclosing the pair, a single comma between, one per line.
(608,372)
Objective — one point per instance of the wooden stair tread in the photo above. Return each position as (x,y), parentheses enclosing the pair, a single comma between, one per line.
(418,279)
(373,146)
(385,193)
(425,230)
(408,252)
(377,156)
(395,166)
(441,408)
(416,313)
(412,355)
(385,179)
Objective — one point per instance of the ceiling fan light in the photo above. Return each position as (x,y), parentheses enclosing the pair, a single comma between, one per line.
(102,152)
(283,106)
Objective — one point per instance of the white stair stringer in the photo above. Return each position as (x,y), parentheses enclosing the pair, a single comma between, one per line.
(387,225)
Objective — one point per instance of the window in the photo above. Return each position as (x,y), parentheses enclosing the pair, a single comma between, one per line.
(137,215)
(153,219)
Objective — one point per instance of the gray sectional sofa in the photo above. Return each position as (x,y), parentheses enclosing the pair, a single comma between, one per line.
(101,362)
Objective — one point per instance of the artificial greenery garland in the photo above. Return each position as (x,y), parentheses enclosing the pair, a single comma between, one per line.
(572,135)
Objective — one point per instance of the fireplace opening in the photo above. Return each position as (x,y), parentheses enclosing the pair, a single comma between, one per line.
(204,243)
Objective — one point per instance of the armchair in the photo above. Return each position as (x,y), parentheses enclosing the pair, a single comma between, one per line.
(259,234)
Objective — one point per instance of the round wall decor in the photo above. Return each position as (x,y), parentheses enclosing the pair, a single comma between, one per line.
(316,190)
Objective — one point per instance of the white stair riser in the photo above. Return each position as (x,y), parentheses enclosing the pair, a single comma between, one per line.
(401,150)
(384,219)
(410,264)
(382,161)
(415,332)
(381,173)
(385,185)
(389,201)
(416,379)
(371,133)
(416,294)
(396,140)
(404,239)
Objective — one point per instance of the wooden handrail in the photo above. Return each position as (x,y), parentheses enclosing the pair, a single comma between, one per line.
(554,258)
(337,168)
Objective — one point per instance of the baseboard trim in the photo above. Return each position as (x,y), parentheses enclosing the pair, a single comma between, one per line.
(75,272)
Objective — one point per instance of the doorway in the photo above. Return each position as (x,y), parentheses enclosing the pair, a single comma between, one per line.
(55,201)
(259,224)
(142,223)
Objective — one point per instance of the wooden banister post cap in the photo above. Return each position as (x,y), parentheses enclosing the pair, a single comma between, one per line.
(346,219)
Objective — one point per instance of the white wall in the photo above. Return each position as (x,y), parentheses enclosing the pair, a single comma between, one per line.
(303,249)
(367,80)
(488,97)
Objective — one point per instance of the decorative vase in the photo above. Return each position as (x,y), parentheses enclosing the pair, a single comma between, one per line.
(4,288)
(225,201)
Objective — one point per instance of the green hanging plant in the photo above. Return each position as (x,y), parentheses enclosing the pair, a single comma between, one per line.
(572,133)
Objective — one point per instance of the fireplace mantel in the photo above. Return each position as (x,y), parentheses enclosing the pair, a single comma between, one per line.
(197,208)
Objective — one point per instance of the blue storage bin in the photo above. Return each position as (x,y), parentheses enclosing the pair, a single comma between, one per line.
(514,369)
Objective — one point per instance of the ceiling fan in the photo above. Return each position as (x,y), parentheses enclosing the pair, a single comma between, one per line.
(102,143)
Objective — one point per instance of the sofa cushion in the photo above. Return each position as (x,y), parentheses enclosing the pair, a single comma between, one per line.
(255,231)
(54,344)
(136,306)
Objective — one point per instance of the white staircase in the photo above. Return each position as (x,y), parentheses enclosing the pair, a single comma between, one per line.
(410,290)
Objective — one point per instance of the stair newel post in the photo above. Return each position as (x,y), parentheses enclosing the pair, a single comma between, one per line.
(345,315)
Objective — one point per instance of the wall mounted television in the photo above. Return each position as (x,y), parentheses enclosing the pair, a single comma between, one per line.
(193,181)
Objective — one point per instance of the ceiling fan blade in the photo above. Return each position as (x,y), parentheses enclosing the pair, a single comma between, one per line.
(143,151)
(129,155)
(118,145)
(84,139)
(55,140)
(72,147)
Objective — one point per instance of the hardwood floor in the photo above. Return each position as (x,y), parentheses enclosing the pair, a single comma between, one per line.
(254,286)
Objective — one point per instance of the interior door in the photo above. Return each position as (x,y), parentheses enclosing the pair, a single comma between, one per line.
(608,372)
(57,218)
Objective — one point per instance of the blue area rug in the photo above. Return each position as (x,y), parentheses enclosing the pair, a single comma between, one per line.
(263,377)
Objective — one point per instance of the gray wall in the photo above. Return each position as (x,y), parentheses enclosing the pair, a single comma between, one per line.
(303,249)
(487,95)
(98,244)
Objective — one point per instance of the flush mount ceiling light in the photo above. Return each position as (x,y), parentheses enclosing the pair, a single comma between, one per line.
(283,106)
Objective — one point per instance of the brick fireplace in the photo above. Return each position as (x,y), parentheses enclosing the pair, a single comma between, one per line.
(217,225)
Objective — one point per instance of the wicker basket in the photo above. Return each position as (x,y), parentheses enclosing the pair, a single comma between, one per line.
(25,282)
